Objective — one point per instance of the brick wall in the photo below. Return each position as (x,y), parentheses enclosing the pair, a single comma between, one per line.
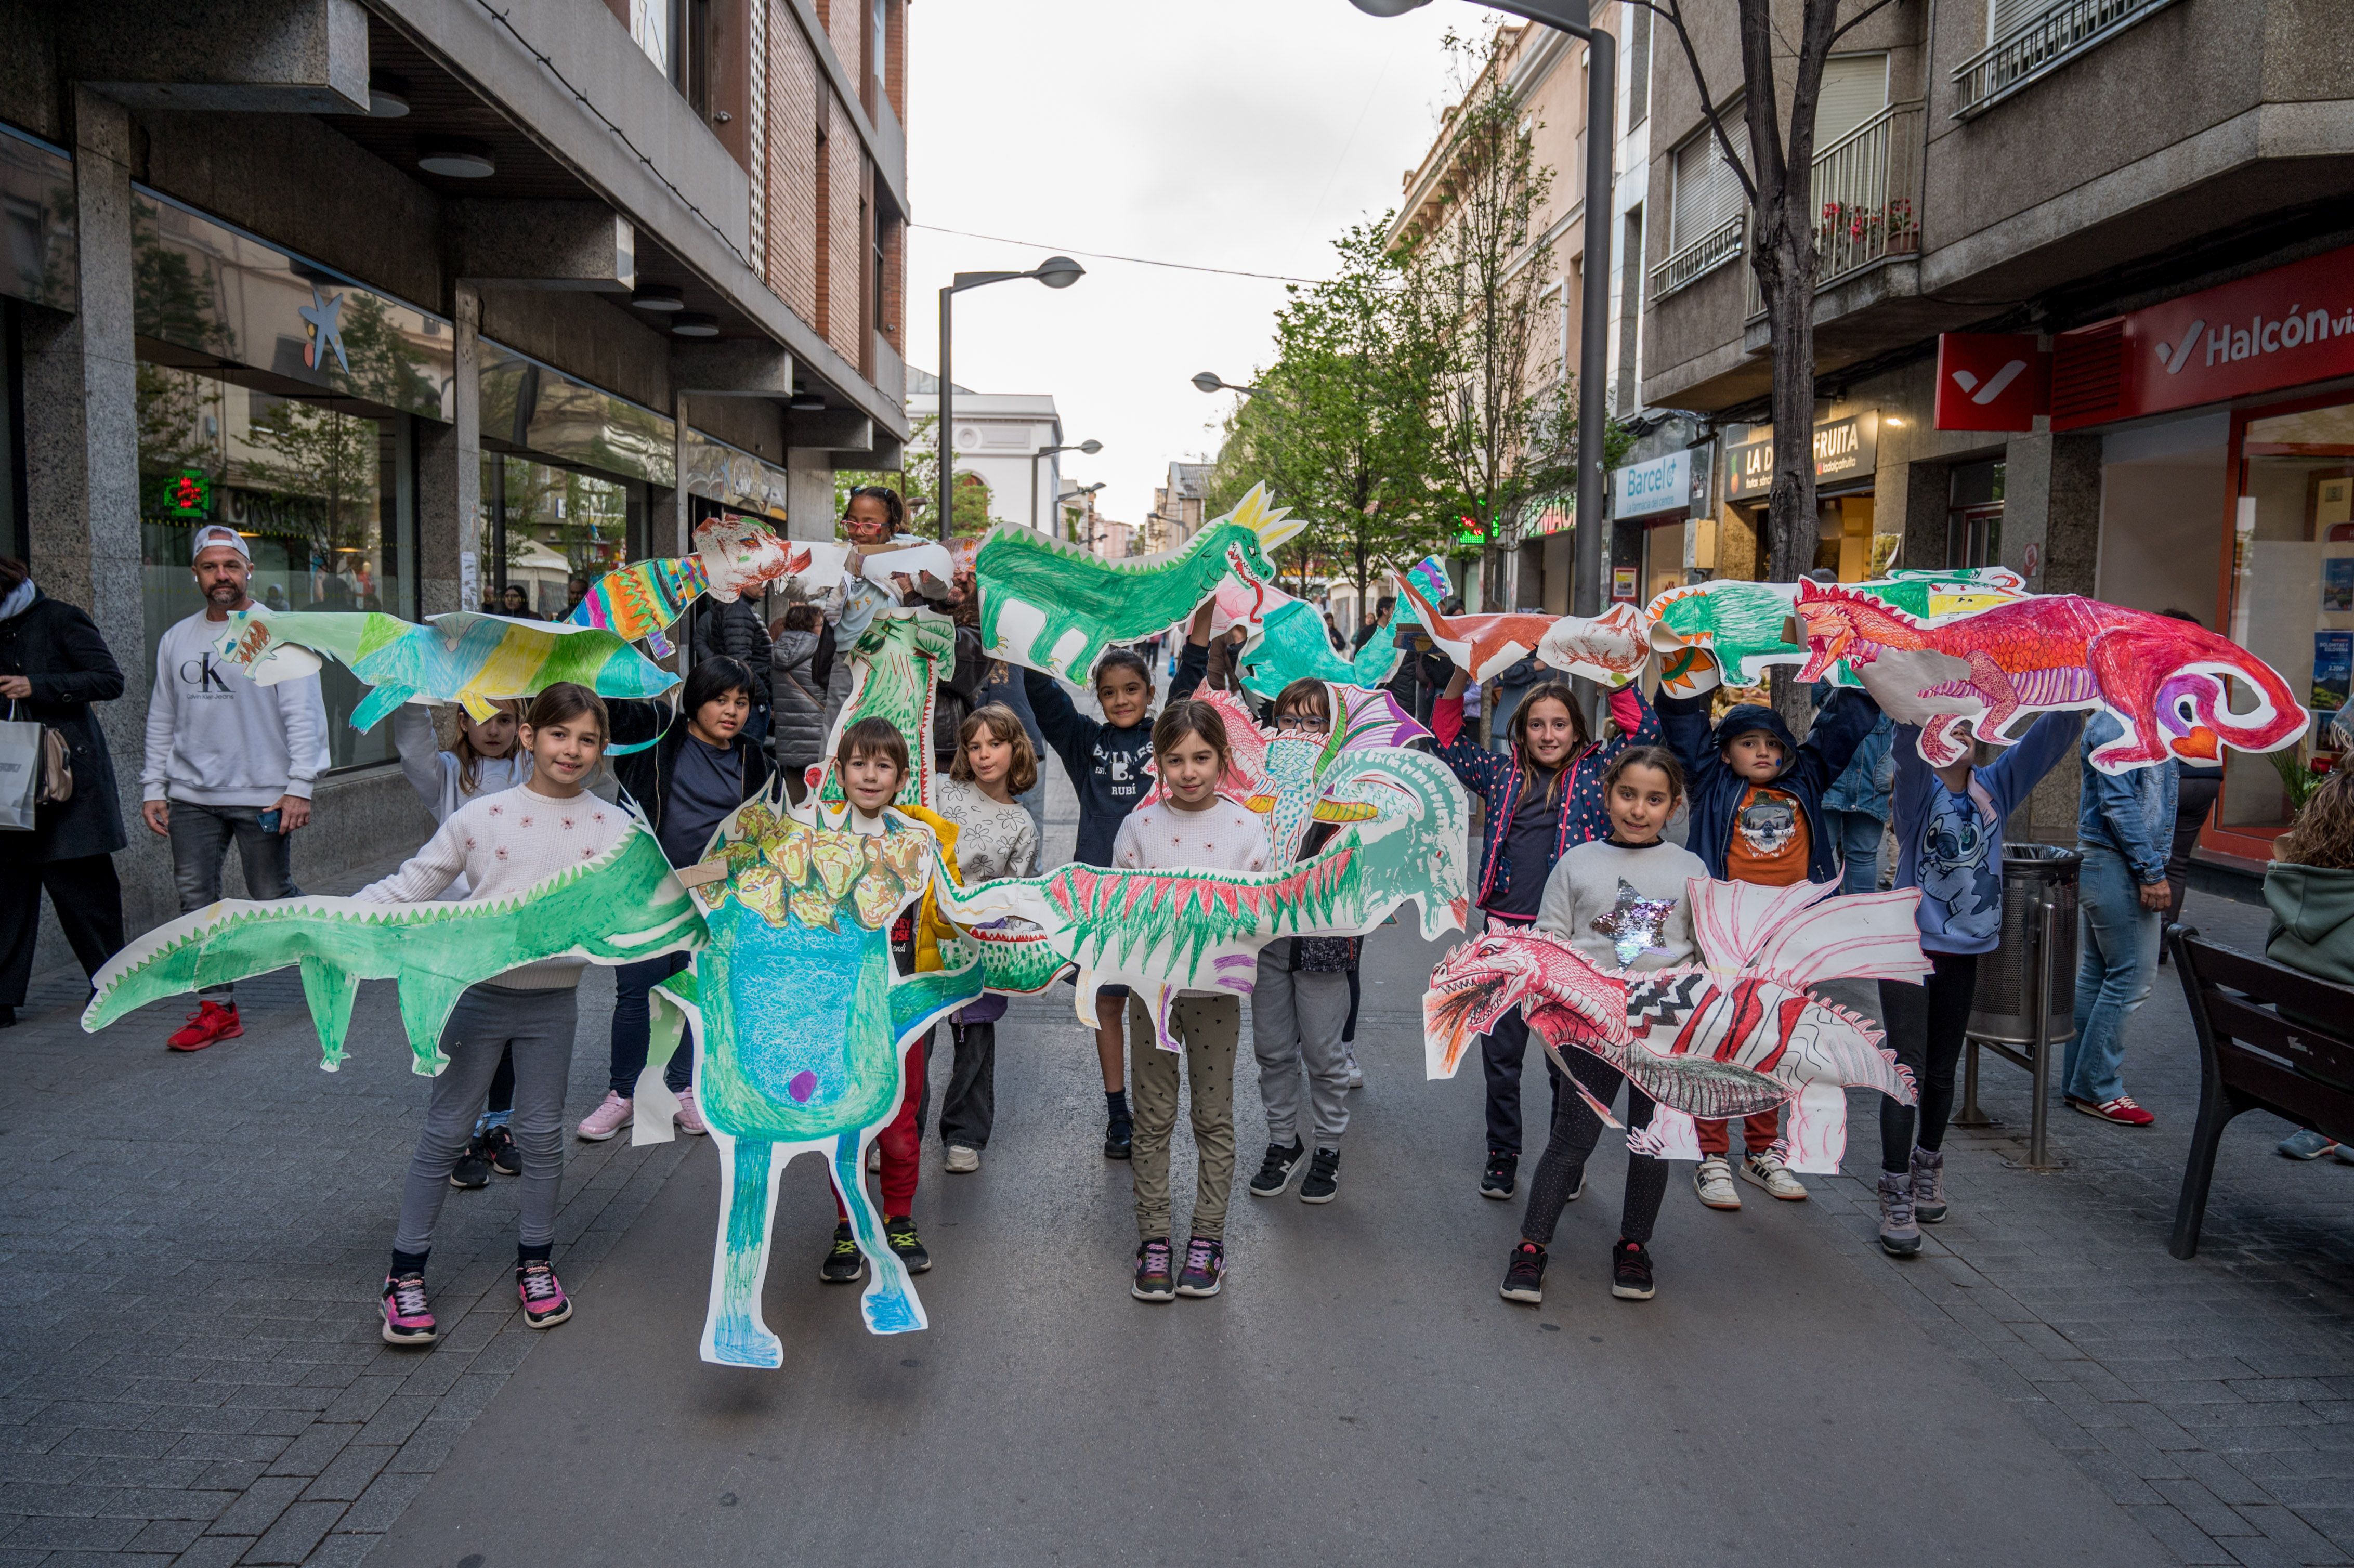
(792,164)
(891,311)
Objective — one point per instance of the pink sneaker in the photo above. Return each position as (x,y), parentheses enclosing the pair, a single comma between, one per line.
(689,1116)
(545,1305)
(608,1119)
(408,1316)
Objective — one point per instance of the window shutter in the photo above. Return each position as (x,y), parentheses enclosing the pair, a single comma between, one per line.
(2005,17)
(1855,87)
(1708,193)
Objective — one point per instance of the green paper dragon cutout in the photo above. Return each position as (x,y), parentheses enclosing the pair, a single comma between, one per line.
(895,667)
(623,907)
(1053,607)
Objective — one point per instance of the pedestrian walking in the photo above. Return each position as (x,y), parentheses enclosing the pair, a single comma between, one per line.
(2125,828)
(1948,822)
(226,760)
(796,693)
(449,756)
(1541,797)
(993,763)
(2309,887)
(503,844)
(1757,816)
(700,767)
(1622,904)
(1105,761)
(1855,807)
(53,665)
(872,759)
(1191,825)
(1299,1004)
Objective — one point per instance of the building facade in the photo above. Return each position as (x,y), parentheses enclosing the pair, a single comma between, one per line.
(1178,509)
(1005,442)
(430,300)
(2143,203)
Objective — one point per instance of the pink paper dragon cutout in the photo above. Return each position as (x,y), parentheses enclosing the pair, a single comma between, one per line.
(2161,677)
(1740,1033)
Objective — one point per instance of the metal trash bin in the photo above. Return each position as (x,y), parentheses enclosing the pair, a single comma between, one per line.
(2002,1009)
(2032,973)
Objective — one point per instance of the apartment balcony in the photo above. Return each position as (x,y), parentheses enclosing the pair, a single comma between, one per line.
(1699,259)
(2041,47)
(1868,190)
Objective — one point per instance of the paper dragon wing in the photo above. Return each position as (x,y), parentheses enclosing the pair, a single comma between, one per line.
(1807,931)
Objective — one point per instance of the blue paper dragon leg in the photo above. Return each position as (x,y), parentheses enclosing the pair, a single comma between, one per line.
(889,1303)
(736,1334)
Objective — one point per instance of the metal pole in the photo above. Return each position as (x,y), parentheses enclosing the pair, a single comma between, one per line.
(1593,329)
(1970,1115)
(2038,1156)
(945,430)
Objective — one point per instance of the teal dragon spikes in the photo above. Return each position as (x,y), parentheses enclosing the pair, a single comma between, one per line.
(1055,607)
(622,907)
(896,665)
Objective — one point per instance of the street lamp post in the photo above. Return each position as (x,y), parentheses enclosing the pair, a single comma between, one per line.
(1208,381)
(1090,447)
(1055,272)
(1575,18)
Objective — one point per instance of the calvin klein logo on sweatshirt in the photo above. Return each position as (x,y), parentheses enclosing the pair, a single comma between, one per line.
(203,674)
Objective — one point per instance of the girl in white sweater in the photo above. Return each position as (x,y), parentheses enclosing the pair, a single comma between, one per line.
(1621,902)
(504,844)
(995,837)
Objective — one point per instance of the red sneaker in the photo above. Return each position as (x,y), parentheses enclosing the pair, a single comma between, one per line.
(210,1022)
(2121,1110)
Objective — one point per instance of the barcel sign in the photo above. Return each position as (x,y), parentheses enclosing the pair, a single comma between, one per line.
(1845,450)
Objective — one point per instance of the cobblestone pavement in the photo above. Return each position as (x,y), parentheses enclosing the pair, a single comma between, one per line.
(189,1251)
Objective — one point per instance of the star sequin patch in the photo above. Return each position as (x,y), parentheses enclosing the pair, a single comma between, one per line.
(1633,924)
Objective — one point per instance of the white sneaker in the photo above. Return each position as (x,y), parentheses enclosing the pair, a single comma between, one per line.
(874,1156)
(688,1118)
(961,1160)
(1767,1171)
(1357,1074)
(608,1119)
(1713,1183)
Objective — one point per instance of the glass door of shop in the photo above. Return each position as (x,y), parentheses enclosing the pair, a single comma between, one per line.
(2292,602)
(553,531)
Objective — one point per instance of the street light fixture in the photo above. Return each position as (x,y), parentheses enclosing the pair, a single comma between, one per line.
(1090,447)
(1575,18)
(1208,381)
(1055,272)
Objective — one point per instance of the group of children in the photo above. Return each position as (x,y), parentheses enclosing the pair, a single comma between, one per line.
(1574,842)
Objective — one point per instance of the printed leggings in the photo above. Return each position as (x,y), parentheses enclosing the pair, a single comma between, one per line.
(1925,1024)
(1575,1131)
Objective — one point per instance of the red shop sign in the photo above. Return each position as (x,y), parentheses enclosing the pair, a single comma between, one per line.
(1991,381)
(2278,329)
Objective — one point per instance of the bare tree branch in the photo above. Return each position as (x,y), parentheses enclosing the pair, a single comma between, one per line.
(1854,22)
(1672,15)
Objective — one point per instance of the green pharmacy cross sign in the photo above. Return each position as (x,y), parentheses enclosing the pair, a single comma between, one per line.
(189,493)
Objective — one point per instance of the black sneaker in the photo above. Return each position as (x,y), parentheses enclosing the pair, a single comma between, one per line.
(899,1234)
(1630,1272)
(1153,1280)
(474,1168)
(1274,1171)
(500,1144)
(1323,1183)
(1205,1267)
(1119,1138)
(1499,1180)
(844,1264)
(1524,1275)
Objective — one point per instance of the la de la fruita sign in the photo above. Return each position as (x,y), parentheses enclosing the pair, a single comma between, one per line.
(1845,450)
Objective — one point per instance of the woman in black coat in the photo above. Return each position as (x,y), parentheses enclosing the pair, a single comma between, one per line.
(53,665)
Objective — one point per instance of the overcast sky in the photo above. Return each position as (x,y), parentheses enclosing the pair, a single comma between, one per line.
(1239,133)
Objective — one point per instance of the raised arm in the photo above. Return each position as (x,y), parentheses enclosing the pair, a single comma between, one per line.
(1478,768)
(1070,734)
(420,753)
(1842,726)
(2021,766)
(1683,721)
(424,875)
(1194,662)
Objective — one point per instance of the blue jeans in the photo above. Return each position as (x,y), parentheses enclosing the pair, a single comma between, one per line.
(2118,941)
(1857,834)
(200,838)
(633,1026)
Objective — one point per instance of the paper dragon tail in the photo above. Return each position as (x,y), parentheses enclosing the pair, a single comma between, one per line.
(2158,667)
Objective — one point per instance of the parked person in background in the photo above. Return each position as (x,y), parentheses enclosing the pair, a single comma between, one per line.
(53,666)
(2125,826)
(701,768)
(796,695)
(1377,621)
(1855,807)
(995,838)
(2309,887)
(480,757)
(736,632)
(575,590)
(226,759)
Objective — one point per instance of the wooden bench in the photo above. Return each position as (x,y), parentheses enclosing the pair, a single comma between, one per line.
(2259,1051)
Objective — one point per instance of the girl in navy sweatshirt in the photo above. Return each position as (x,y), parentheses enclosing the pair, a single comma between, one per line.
(1105,760)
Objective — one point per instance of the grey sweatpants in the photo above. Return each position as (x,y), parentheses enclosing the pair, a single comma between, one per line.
(1295,1021)
(490,1019)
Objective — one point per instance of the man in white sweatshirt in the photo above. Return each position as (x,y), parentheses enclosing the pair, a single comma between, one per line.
(226,759)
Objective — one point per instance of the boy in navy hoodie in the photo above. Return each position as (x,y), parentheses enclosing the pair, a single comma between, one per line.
(1948,822)
(1756,796)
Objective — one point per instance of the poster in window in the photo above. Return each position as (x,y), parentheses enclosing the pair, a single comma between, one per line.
(2333,670)
(2338,584)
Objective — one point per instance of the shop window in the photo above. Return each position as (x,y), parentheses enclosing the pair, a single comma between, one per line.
(321,495)
(2292,590)
(552,532)
(1974,515)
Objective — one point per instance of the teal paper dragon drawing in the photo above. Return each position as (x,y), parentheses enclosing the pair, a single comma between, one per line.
(1737,627)
(1055,607)
(618,908)
(896,668)
(801,1024)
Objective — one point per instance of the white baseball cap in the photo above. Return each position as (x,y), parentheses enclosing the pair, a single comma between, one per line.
(214,534)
